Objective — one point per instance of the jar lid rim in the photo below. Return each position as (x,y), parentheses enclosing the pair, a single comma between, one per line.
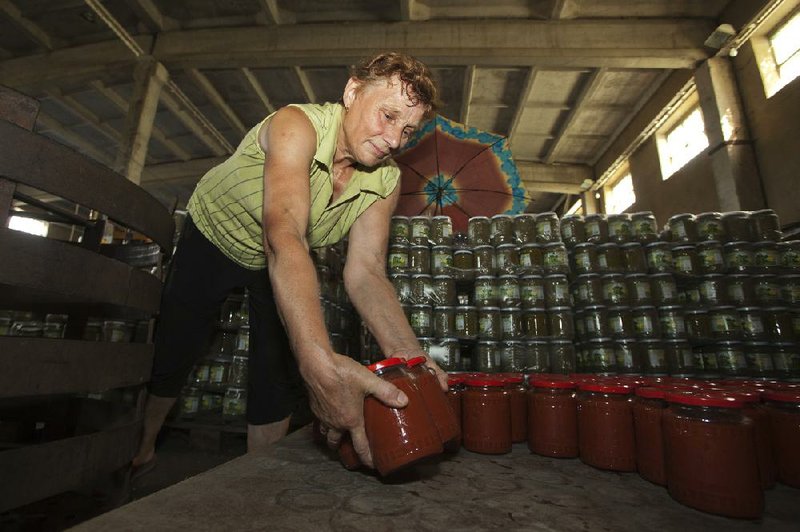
(614,388)
(485,381)
(385,363)
(704,398)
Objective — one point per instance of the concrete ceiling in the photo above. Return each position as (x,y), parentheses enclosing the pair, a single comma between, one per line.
(561,78)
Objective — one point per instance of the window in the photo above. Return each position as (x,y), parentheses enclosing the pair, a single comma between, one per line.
(683,142)
(28,225)
(777,50)
(785,46)
(577,207)
(620,196)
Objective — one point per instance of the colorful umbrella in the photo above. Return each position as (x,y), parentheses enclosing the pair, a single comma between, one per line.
(459,171)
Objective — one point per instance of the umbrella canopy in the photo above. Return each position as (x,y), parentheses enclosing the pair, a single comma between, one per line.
(459,171)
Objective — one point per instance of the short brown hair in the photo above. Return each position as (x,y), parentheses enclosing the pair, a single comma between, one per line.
(416,77)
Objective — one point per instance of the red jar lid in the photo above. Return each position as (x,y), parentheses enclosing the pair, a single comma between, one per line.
(606,387)
(416,361)
(511,378)
(455,380)
(649,392)
(674,386)
(747,395)
(705,398)
(784,396)
(485,381)
(553,383)
(386,363)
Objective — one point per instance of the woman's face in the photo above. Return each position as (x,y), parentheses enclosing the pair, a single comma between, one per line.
(380,119)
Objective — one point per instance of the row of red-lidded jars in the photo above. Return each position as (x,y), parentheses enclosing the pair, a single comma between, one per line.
(493,410)
(399,437)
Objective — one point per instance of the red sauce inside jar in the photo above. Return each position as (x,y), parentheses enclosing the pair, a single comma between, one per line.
(767,468)
(347,454)
(605,426)
(486,416)
(398,437)
(435,399)
(519,405)
(553,418)
(648,407)
(710,454)
(783,408)
(455,388)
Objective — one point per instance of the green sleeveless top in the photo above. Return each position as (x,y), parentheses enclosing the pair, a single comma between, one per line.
(226,205)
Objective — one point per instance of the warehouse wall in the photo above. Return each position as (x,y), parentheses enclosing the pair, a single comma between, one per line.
(690,189)
(775,130)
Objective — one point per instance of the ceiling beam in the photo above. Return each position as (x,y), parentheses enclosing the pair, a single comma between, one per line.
(305,83)
(274,14)
(589,87)
(30,28)
(112,96)
(618,43)
(466,93)
(414,10)
(151,16)
(258,89)
(179,173)
(217,100)
(195,121)
(72,139)
(561,179)
(79,110)
(522,102)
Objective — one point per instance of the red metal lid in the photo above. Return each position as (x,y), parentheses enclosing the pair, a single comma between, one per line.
(649,392)
(485,381)
(784,396)
(455,380)
(510,378)
(416,361)
(705,398)
(553,383)
(606,387)
(746,394)
(386,363)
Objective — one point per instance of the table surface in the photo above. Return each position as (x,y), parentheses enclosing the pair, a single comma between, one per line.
(297,485)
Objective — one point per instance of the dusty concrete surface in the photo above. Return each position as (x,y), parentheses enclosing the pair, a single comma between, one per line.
(296,486)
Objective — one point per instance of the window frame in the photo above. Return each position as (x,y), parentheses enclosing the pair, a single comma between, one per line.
(625,173)
(678,118)
(761,43)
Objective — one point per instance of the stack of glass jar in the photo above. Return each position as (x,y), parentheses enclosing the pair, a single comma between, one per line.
(217,385)
(340,317)
(712,295)
(35,325)
(495,299)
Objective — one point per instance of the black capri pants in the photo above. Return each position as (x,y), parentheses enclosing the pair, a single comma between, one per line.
(199,280)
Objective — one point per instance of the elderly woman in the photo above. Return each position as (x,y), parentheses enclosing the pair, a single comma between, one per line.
(305,177)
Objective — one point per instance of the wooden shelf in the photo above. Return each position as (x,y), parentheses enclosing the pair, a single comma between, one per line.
(43,366)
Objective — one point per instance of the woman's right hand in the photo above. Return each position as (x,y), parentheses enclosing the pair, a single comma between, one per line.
(337,394)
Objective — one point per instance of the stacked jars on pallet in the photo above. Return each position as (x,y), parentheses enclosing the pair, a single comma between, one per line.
(217,385)
(340,317)
(627,314)
(713,295)
(496,299)
(741,292)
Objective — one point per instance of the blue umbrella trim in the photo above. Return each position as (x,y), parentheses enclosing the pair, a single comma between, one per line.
(500,149)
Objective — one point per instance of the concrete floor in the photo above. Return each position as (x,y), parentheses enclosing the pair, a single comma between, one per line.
(178,459)
(296,486)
